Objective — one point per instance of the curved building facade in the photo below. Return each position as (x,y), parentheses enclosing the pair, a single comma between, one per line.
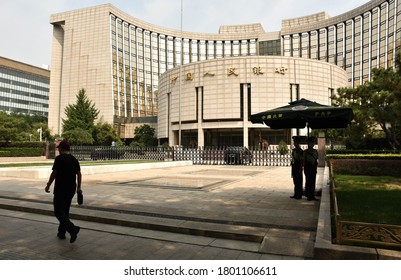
(215,99)
(119,59)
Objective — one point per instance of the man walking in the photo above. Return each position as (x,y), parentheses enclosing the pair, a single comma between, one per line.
(67,173)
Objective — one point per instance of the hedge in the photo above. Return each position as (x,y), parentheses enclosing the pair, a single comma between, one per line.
(367,167)
(361,152)
(364,156)
(21,152)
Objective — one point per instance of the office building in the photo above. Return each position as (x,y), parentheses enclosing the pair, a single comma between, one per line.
(131,68)
(23,88)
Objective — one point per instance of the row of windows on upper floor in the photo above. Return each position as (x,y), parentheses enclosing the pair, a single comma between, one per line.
(385,13)
(18,103)
(13,75)
(6,91)
(13,82)
(377,25)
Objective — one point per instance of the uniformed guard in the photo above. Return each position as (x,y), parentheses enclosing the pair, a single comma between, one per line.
(310,169)
(297,158)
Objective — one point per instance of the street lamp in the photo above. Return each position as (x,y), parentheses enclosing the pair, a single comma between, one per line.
(40,134)
(180,86)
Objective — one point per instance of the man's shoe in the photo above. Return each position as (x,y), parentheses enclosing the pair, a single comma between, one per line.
(74,235)
(312,198)
(61,236)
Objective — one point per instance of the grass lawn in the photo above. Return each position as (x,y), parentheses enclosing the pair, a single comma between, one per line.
(82,163)
(370,199)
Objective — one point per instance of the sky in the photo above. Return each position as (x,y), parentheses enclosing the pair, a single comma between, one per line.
(25,31)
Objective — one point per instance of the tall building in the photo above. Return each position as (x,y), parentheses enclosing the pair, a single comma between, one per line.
(23,88)
(120,61)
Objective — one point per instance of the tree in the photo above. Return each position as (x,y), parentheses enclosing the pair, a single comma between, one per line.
(376,105)
(385,109)
(19,127)
(9,127)
(78,136)
(144,136)
(105,134)
(81,115)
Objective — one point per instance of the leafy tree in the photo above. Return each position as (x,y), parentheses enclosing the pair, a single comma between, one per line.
(144,136)
(105,134)
(385,109)
(19,127)
(80,116)
(376,105)
(9,127)
(78,136)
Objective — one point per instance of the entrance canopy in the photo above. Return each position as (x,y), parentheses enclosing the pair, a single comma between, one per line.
(305,113)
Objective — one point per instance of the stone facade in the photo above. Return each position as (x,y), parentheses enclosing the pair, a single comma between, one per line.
(217,97)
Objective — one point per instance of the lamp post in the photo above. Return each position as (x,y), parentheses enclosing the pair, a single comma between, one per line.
(40,134)
(180,80)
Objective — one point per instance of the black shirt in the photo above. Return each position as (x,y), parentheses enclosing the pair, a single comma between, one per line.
(67,168)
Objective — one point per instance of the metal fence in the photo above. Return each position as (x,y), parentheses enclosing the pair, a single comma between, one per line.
(201,155)
(385,236)
(365,234)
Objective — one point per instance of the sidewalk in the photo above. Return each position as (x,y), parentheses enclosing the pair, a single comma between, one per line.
(187,212)
(228,205)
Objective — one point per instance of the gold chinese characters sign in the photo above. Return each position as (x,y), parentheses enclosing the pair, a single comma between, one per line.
(189,76)
(231,71)
(257,70)
(281,70)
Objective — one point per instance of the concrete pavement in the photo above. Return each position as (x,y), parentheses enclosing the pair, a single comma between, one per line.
(185,212)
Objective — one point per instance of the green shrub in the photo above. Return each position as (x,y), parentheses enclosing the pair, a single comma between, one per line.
(282,148)
(367,167)
(21,152)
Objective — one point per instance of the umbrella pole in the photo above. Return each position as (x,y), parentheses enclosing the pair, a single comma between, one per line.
(307,129)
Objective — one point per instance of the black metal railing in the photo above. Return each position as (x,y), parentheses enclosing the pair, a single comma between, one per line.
(270,156)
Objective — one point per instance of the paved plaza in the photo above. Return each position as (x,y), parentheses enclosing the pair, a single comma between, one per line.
(188,212)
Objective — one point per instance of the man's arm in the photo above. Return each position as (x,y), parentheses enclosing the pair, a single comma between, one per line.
(51,179)
(79,179)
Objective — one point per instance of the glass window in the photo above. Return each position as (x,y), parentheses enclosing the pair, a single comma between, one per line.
(202,50)
(170,52)
(244,48)
(177,52)
(314,44)
(235,48)
(305,45)
(219,49)
(186,51)
(331,44)
(296,45)
(194,51)
(227,49)
(287,45)
(252,47)
(210,49)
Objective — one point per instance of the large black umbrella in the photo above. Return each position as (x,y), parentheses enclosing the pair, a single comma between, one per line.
(302,113)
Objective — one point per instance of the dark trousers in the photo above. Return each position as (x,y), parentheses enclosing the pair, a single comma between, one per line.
(310,180)
(62,206)
(297,178)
